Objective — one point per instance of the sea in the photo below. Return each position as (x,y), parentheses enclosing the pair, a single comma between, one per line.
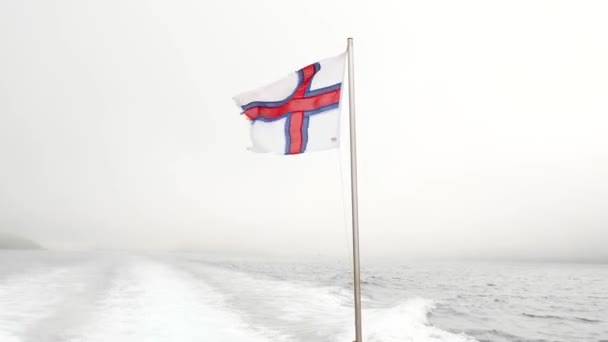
(185,297)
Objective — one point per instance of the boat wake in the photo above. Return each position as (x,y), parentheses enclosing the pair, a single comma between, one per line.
(157,300)
(301,311)
(407,321)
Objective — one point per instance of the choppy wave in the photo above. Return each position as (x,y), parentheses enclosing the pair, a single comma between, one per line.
(542,316)
(580,319)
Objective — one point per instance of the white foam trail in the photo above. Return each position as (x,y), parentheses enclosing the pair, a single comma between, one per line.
(407,321)
(298,310)
(28,298)
(324,313)
(154,302)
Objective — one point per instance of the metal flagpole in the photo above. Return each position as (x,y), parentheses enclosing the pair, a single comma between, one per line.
(354,193)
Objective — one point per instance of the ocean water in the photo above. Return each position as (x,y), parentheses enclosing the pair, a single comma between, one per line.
(50,296)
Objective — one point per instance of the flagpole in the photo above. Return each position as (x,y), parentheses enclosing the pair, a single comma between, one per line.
(354,192)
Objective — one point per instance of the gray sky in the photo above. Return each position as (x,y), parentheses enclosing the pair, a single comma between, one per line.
(482,126)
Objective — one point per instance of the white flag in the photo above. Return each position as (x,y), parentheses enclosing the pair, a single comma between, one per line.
(299,113)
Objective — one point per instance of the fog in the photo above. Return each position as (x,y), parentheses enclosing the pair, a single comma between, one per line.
(481,127)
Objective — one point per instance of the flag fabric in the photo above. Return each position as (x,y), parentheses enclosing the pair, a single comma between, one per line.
(298,113)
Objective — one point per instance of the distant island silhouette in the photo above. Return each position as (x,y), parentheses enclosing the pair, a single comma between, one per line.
(11,241)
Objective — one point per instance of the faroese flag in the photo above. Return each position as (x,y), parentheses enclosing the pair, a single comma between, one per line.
(298,113)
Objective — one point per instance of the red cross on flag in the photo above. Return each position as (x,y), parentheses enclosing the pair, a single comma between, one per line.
(298,113)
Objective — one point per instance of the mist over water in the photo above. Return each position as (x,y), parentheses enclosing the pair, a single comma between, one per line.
(481,144)
(476,137)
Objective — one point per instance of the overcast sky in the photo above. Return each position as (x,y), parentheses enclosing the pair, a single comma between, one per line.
(482,127)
